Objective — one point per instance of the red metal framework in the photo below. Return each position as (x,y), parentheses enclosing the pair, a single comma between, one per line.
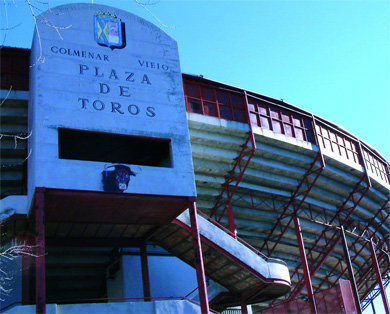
(200,274)
(219,100)
(306,271)
(145,271)
(250,294)
(353,248)
(234,177)
(345,147)
(351,273)
(41,214)
(375,291)
(322,251)
(296,200)
(278,119)
(40,271)
(336,142)
(215,101)
(379,277)
(366,280)
(376,166)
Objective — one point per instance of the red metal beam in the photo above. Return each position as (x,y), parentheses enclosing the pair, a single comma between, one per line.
(342,215)
(303,189)
(244,309)
(370,286)
(235,175)
(379,278)
(26,279)
(383,216)
(320,260)
(200,275)
(145,271)
(305,266)
(374,291)
(350,270)
(364,279)
(364,163)
(332,242)
(316,140)
(339,263)
(40,272)
(26,238)
(325,256)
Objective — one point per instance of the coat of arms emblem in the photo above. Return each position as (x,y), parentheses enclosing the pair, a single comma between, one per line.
(108,30)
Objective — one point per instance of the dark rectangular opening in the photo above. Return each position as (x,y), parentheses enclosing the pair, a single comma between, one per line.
(114,148)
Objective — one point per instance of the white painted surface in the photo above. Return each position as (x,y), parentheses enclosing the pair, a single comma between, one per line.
(13,204)
(145,73)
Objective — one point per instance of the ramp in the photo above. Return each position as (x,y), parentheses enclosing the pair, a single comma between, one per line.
(247,274)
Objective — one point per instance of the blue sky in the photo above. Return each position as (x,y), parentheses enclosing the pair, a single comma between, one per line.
(331,58)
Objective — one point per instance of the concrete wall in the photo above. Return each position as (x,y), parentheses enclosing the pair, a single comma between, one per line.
(131,90)
(157,307)
(168,276)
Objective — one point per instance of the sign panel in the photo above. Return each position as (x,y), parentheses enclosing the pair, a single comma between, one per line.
(107,103)
(108,30)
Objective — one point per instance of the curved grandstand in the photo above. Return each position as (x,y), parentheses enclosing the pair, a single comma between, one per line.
(289,162)
(262,167)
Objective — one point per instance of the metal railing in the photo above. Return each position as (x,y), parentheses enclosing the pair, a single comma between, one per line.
(330,137)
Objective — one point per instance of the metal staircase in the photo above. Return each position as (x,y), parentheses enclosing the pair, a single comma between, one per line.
(248,275)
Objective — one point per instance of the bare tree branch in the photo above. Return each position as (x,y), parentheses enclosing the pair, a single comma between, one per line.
(10,254)
(6,97)
(144,5)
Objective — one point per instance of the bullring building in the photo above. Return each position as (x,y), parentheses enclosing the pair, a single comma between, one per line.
(135,188)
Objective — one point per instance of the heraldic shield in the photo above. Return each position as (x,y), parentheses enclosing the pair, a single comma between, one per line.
(108,31)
